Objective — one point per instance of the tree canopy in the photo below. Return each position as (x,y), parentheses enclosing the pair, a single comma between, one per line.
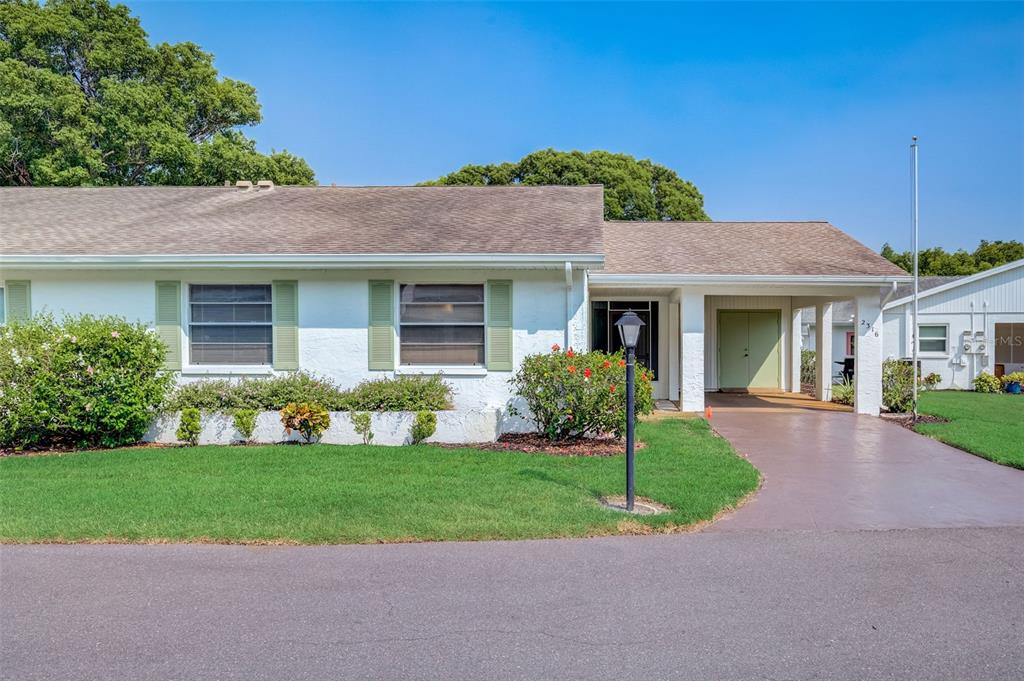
(938,262)
(85,99)
(633,189)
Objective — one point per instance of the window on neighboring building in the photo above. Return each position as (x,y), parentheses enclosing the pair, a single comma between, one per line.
(849,343)
(1010,346)
(604,335)
(441,324)
(933,338)
(230,324)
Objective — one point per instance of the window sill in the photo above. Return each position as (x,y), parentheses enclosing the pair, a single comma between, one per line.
(411,370)
(227,370)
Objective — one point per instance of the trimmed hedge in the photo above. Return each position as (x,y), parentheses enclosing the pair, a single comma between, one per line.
(404,393)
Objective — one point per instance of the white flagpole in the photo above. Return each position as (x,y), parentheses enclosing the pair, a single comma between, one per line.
(914,220)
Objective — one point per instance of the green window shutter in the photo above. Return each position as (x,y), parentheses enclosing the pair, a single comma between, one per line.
(168,321)
(382,326)
(499,325)
(286,325)
(19,300)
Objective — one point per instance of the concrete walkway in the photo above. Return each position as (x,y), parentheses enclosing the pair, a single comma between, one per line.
(832,471)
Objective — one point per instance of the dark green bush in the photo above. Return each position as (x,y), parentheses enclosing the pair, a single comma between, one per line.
(405,393)
(84,382)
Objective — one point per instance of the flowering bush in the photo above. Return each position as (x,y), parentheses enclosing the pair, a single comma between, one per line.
(1014,377)
(84,381)
(572,395)
(309,419)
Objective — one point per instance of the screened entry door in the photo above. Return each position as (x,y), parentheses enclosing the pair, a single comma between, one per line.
(748,349)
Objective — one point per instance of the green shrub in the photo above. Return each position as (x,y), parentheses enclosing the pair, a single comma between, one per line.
(245,422)
(402,393)
(843,393)
(405,393)
(309,419)
(808,368)
(572,395)
(361,421)
(85,381)
(986,383)
(423,426)
(897,386)
(1014,377)
(189,426)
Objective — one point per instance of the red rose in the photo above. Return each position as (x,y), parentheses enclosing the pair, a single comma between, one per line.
(570,353)
(587,373)
(571,368)
(606,365)
(556,347)
(622,362)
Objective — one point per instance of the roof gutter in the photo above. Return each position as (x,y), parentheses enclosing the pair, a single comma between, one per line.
(759,279)
(309,261)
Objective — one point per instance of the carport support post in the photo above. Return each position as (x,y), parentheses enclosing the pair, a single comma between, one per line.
(796,320)
(867,350)
(823,351)
(691,351)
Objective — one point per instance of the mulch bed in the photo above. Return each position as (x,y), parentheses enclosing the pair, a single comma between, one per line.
(534,443)
(907,420)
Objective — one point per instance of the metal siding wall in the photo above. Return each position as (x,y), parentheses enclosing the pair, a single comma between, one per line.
(1004,293)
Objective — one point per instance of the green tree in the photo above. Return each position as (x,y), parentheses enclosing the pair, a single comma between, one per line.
(938,262)
(86,100)
(633,189)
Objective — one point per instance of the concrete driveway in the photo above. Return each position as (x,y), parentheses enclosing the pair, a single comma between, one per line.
(831,470)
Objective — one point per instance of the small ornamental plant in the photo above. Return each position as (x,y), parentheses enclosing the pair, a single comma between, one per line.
(423,426)
(189,426)
(986,383)
(311,420)
(573,395)
(931,380)
(363,425)
(245,423)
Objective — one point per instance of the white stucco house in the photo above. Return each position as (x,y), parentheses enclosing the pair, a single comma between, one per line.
(361,283)
(968,325)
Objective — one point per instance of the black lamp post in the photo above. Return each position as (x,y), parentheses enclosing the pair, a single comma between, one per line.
(629,331)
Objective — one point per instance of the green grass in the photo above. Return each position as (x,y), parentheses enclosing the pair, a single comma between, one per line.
(989,425)
(345,494)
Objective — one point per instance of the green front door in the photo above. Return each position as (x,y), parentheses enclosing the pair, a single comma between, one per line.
(748,349)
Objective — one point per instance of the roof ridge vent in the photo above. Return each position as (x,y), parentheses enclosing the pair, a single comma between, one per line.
(243,184)
(265,184)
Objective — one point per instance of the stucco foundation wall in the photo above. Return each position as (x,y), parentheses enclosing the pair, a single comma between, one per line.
(389,428)
(333,315)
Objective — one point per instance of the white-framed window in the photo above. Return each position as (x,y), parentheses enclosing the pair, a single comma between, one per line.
(441,324)
(933,338)
(230,324)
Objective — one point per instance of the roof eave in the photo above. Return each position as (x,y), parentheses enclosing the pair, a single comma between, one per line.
(696,279)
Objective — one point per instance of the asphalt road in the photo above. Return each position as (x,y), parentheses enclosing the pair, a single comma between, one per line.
(902,604)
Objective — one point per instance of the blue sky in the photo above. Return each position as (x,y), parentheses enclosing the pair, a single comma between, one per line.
(775,111)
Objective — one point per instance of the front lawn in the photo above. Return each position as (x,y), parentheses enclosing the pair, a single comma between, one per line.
(989,425)
(347,494)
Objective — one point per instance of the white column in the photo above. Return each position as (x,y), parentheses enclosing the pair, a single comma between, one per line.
(794,354)
(867,363)
(691,351)
(823,351)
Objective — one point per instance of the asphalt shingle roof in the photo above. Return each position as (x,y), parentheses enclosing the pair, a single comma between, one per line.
(753,248)
(300,220)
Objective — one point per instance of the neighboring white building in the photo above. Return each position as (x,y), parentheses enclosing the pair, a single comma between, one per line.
(968,325)
(361,283)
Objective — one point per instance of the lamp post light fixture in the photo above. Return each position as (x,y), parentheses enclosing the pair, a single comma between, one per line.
(629,332)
